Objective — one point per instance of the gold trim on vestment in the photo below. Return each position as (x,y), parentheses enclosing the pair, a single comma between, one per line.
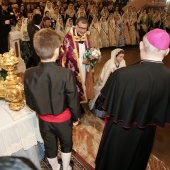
(76,56)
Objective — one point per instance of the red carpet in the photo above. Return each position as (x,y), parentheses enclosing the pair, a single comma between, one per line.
(80,163)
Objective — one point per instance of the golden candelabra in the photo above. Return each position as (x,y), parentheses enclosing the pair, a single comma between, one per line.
(12,88)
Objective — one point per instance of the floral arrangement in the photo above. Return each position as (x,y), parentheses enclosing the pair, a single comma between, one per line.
(93,55)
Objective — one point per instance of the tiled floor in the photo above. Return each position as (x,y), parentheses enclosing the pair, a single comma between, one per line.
(161,148)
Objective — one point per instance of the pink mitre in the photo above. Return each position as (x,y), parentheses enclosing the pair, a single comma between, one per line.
(159,38)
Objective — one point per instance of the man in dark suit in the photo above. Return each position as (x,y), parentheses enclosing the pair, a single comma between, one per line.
(34,60)
(51,91)
(31,23)
(6,16)
(137,100)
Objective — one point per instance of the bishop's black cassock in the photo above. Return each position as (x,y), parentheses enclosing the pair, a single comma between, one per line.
(137,100)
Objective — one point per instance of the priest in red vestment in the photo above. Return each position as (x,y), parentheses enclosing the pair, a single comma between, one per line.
(75,43)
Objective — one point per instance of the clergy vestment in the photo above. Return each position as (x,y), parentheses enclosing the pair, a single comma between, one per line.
(137,99)
(71,56)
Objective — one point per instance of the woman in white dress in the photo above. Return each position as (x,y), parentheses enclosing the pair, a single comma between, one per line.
(81,11)
(60,28)
(111,26)
(156,20)
(94,29)
(56,14)
(93,13)
(119,31)
(104,32)
(70,13)
(68,25)
(134,35)
(55,17)
(116,61)
(25,41)
(18,25)
(48,7)
(128,12)
(116,12)
(163,18)
(150,15)
(126,28)
(104,12)
(142,24)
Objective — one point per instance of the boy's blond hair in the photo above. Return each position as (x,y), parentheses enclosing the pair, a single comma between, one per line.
(45,43)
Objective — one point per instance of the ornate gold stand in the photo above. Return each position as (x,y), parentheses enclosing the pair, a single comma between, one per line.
(12,88)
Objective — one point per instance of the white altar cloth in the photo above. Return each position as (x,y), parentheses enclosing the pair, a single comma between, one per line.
(22,133)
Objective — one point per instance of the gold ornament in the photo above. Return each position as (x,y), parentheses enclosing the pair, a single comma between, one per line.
(12,88)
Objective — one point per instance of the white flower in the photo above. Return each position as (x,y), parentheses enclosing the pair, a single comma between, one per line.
(94,54)
(99,52)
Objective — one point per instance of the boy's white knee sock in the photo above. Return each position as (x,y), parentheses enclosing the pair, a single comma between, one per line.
(54,163)
(66,160)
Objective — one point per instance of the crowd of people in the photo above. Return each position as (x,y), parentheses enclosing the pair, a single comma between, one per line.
(109,25)
(133,99)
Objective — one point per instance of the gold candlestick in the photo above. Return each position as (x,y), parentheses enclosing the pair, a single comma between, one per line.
(12,88)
